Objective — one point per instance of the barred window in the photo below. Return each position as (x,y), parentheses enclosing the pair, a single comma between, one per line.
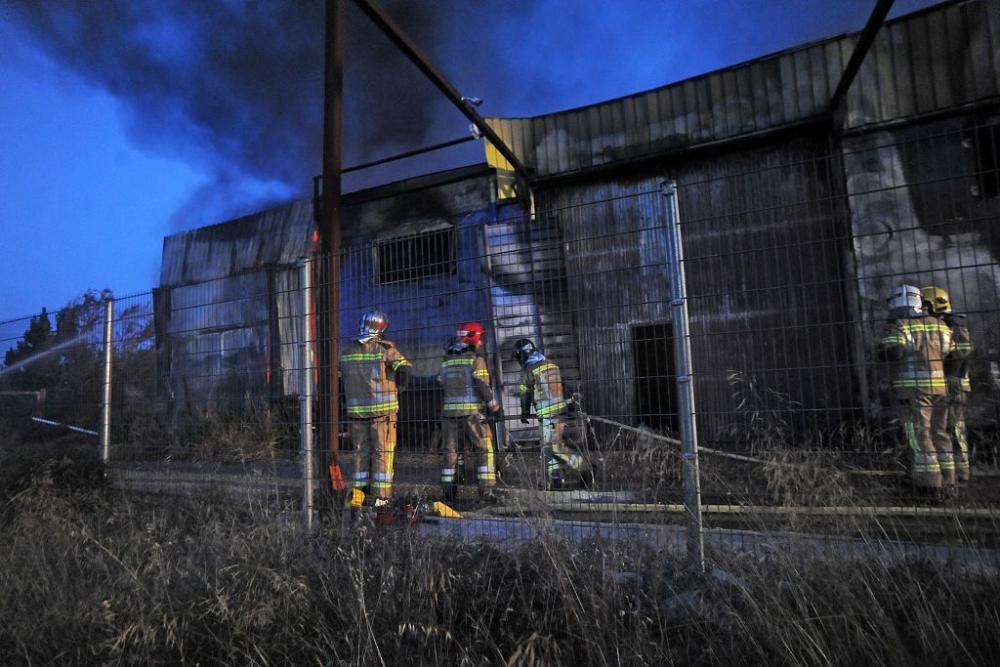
(418,256)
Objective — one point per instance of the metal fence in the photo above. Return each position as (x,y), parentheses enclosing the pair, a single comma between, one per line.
(770,377)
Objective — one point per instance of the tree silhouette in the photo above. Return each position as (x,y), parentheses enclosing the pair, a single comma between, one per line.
(35,340)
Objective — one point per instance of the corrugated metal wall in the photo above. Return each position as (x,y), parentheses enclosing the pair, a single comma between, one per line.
(930,61)
(922,63)
(765,245)
(764,242)
(278,236)
(617,278)
(228,294)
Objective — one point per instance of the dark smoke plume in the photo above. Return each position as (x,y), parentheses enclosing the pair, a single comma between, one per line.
(237,85)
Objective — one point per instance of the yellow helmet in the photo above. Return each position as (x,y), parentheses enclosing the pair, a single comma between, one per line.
(936,300)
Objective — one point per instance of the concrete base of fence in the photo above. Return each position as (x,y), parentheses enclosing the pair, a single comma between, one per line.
(509,532)
(529,513)
(258,483)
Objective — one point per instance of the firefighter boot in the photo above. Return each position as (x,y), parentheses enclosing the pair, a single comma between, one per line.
(553,474)
(556,481)
(950,493)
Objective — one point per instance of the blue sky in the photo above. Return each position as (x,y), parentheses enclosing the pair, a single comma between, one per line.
(143,118)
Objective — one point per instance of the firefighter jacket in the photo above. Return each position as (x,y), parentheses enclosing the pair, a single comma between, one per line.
(465,379)
(917,347)
(373,373)
(956,364)
(542,385)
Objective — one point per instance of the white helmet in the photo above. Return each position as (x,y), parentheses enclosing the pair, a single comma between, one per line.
(906,300)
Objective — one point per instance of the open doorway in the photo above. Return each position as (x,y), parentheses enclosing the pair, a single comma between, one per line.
(655,376)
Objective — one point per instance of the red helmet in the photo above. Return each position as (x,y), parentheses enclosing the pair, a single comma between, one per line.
(470,333)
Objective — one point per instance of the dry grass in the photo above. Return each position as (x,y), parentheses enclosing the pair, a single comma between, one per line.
(94,578)
(91,577)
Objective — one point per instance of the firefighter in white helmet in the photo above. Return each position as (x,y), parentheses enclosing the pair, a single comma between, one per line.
(937,302)
(373,372)
(916,344)
(467,401)
(542,386)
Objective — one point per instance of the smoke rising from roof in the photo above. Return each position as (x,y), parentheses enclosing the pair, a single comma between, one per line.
(238,86)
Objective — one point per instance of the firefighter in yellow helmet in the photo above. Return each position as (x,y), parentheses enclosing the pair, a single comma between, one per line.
(916,344)
(468,400)
(373,372)
(542,386)
(956,370)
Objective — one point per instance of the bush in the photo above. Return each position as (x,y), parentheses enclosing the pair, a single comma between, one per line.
(31,457)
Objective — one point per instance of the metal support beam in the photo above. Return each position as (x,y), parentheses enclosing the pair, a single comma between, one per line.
(329,223)
(404,155)
(105,426)
(417,57)
(685,379)
(861,49)
(306,396)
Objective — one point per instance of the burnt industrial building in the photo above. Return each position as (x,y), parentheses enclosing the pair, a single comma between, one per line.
(804,197)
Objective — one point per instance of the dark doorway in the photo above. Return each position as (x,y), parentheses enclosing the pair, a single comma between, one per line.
(655,376)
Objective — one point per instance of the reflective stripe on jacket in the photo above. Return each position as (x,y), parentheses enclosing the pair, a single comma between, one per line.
(466,382)
(368,371)
(543,383)
(924,342)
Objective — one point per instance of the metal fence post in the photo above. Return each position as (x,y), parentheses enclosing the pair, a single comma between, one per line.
(306,395)
(685,386)
(105,428)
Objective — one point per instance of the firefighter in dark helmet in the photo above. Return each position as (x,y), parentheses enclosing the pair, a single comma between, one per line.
(467,401)
(937,302)
(373,372)
(542,386)
(916,344)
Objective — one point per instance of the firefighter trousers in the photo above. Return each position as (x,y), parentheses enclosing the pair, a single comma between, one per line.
(924,419)
(557,456)
(957,406)
(472,429)
(374,454)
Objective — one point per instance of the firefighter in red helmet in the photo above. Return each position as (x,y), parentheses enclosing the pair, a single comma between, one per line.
(542,387)
(373,372)
(468,400)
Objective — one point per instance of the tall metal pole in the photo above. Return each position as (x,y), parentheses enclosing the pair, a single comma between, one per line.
(105,428)
(330,220)
(685,385)
(306,395)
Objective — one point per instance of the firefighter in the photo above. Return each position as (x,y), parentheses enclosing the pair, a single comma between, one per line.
(373,372)
(542,386)
(956,371)
(468,400)
(916,344)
